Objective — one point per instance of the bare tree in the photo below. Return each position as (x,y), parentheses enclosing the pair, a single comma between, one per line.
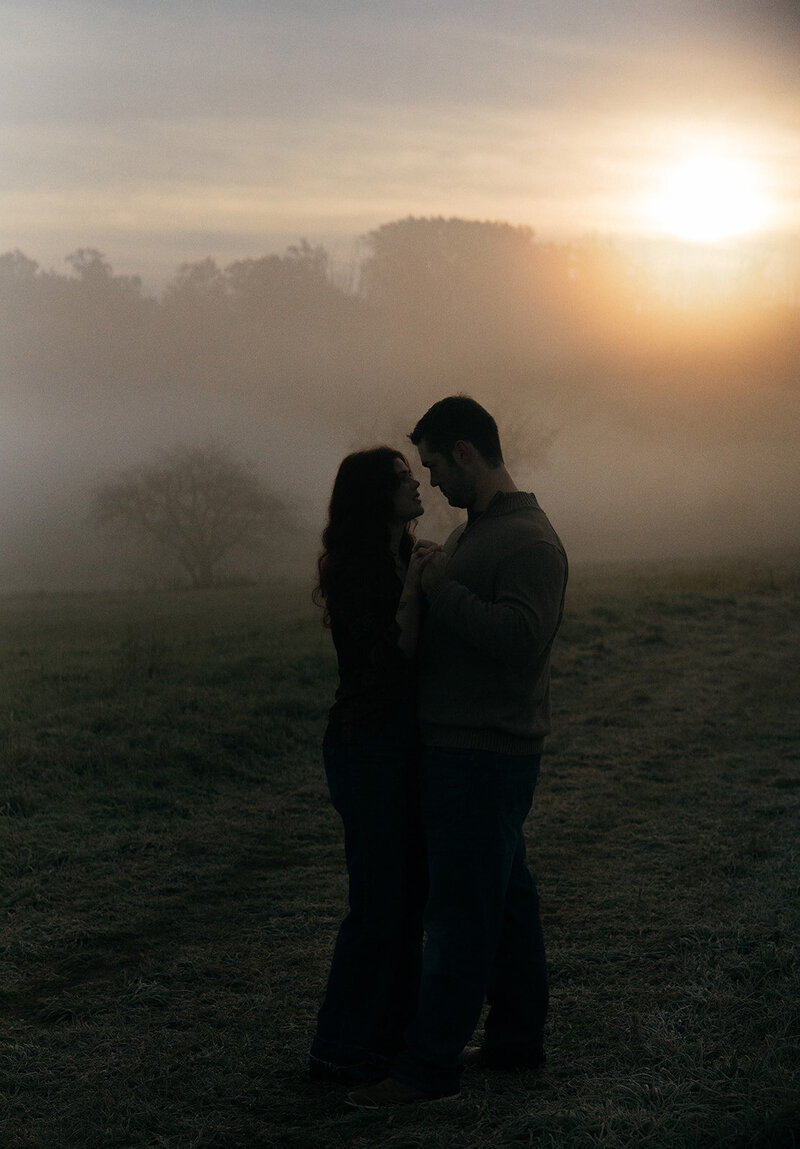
(198,502)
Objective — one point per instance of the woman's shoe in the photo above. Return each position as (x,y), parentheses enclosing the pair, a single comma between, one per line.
(391,1092)
(364,1072)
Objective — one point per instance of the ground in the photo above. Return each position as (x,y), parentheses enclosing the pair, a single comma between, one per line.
(172,873)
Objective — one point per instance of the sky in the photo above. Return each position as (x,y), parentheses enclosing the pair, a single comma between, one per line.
(165,131)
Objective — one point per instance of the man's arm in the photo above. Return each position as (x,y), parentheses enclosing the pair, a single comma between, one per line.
(521,621)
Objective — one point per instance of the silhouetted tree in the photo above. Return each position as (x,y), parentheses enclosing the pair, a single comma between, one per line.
(295,279)
(461,302)
(94,272)
(268,323)
(196,326)
(445,268)
(16,267)
(284,306)
(198,502)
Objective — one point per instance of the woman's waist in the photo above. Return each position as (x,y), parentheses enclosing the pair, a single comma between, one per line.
(354,714)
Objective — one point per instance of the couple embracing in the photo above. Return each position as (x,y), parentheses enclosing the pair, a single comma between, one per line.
(432,754)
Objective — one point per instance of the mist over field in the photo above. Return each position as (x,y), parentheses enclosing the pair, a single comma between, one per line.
(651,424)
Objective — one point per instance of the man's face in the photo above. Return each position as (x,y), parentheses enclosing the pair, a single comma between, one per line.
(453,480)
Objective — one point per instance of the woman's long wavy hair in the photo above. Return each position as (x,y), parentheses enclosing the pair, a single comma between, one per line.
(356,554)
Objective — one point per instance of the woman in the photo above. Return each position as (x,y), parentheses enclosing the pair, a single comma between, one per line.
(370,587)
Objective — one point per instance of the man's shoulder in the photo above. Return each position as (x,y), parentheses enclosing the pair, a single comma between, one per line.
(451,542)
(527,525)
(538,528)
(526,535)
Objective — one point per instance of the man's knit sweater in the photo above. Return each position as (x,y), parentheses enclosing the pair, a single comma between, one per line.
(485,651)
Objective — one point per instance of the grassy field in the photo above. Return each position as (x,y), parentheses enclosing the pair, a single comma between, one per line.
(172,874)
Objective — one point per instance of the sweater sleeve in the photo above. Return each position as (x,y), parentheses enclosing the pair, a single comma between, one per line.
(522,618)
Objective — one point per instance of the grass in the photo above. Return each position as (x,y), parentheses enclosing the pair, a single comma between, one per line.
(172,875)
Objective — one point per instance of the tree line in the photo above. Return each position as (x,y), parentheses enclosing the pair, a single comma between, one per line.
(543,332)
(430,299)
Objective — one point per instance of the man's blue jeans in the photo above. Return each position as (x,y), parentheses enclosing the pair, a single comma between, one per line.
(484,936)
(371,994)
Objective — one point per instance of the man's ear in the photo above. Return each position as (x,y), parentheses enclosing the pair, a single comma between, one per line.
(463,451)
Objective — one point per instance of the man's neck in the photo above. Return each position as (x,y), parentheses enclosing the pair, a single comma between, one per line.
(493,482)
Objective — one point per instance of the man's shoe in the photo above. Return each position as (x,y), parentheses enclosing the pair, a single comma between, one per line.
(365,1072)
(476,1057)
(390,1092)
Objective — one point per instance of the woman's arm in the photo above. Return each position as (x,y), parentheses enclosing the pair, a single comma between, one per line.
(408,609)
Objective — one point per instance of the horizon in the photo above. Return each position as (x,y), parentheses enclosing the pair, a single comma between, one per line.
(675,267)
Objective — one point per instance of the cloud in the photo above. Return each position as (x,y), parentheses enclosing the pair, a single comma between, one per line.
(92,62)
(269,117)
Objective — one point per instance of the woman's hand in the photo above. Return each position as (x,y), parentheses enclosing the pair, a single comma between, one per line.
(413,580)
(408,608)
(432,565)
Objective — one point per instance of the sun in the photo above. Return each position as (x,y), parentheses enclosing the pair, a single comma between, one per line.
(709,197)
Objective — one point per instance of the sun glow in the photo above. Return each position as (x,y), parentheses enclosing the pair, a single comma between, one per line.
(709,197)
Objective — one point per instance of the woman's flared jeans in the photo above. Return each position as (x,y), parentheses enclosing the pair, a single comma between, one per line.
(372,988)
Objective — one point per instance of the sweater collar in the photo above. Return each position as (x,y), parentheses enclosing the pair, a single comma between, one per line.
(504,503)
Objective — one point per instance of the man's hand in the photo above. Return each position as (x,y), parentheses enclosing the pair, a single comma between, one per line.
(432,565)
(423,547)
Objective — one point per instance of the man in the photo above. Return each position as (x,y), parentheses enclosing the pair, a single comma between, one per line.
(495,600)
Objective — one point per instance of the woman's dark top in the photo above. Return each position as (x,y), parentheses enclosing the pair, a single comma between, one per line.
(377,683)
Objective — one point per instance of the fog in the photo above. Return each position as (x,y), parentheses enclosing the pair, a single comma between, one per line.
(651,424)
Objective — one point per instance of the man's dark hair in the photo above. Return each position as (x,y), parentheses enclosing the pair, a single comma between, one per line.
(459,417)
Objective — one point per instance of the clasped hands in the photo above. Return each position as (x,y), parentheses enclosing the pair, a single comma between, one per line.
(429,562)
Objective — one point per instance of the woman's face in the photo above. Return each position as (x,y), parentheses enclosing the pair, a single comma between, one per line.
(407,503)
